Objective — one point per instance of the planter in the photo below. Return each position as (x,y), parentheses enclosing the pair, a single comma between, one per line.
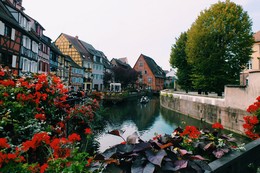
(238,161)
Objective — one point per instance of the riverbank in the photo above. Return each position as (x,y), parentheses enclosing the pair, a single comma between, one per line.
(209,108)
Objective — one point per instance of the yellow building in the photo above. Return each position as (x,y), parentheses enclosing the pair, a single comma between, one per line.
(72,47)
(256,54)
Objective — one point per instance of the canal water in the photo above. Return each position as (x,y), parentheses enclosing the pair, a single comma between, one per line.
(146,119)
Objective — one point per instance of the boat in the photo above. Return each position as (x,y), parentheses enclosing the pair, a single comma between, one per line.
(144,99)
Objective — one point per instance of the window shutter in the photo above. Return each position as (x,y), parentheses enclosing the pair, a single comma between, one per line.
(13,34)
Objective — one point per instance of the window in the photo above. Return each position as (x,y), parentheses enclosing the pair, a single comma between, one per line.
(149,80)
(8,31)
(26,65)
(33,67)
(141,64)
(6,60)
(249,64)
(70,45)
(145,72)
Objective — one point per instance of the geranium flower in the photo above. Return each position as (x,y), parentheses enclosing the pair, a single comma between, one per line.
(74,137)
(88,131)
(43,168)
(40,116)
(3,143)
(191,131)
(217,126)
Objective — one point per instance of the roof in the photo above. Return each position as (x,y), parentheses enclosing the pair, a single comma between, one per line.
(6,16)
(77,44)
(56,49)
(124,60)
(257,36)
(73,63)
(156,70)
(91,49)
(120,63)
(171,73)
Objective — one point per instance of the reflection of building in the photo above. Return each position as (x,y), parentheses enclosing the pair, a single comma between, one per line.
(151,75)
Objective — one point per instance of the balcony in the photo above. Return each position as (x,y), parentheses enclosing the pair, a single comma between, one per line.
(87,79)
(88,69)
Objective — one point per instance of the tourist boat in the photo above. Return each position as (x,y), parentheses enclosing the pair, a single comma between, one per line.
(144,99)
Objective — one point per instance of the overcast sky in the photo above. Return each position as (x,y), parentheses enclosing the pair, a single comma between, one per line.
(126,28)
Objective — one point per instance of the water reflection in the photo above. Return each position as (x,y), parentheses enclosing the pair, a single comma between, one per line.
(145,119)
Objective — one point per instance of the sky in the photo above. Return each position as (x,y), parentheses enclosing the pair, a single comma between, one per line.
(126,28)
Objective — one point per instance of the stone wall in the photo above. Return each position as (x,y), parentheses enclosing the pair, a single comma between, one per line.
(210,110)
(241,97)
(228,110)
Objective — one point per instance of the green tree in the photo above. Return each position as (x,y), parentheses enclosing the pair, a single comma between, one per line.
(107,79)
(125,76)
(178,60)
(219,45)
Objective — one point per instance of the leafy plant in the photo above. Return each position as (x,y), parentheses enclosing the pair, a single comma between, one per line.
(185,150)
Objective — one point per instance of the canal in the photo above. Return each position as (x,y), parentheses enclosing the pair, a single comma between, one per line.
(145,119)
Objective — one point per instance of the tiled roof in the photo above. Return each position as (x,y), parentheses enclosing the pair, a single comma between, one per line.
(257,36)
(77,44)
(157,70)
(121,64)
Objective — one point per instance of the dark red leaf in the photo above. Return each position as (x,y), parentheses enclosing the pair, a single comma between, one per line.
(116,132)
(155,157)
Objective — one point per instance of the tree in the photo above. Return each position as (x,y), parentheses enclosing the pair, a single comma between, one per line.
(219,45)
(124,76)
(178,60)
(107,79)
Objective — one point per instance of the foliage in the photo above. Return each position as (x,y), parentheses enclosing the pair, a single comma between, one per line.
(252,125)
(178,60)
(39,131)
(124,76)
(185,150)
(219,45)
(107,79)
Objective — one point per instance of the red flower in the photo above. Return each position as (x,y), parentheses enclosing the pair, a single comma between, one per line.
(124,142)
(5,94)
(74,137)
(3,143)
(88,131)
(217,126)
(40,116)
(27,145)
(252,108)
(89,161)
(11,156)
(250,123)
(38,138)
(2,73)
(191,131)
(43,168)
